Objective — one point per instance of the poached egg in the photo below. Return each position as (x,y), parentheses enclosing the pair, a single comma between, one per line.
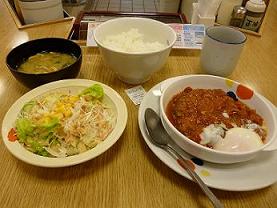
(239,140)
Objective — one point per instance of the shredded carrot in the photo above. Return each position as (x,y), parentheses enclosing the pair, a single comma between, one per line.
(12,135)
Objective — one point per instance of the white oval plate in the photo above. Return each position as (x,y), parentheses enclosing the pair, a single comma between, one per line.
(245,176)
(21,153)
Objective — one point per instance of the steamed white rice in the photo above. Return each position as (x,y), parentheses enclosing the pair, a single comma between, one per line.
(131,41)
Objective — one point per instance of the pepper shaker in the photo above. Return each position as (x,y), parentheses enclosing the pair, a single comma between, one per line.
(238,16)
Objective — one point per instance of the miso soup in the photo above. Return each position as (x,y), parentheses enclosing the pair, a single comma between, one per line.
(46,62)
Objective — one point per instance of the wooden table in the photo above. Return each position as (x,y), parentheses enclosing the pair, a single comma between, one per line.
(128,174)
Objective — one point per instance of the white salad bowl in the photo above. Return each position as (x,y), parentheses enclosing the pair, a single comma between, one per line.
(110,96)
(254,101)
(135,67)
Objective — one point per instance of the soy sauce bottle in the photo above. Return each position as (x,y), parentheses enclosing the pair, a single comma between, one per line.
(255,12)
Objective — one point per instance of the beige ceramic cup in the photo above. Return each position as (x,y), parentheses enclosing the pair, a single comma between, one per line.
(221,50)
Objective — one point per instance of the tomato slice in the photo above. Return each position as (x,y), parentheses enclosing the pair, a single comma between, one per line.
(12,135)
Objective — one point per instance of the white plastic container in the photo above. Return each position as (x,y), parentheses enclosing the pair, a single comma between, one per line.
(254,14)
(225,11)
(41,11)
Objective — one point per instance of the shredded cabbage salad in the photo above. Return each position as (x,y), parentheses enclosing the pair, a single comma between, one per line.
(63,124)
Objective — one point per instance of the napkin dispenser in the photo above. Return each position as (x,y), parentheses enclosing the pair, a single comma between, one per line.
(204,12)
(34,11)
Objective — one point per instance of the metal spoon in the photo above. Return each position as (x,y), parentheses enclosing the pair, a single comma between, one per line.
(160,138)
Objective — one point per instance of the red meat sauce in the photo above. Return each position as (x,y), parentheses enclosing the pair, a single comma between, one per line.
(192,110)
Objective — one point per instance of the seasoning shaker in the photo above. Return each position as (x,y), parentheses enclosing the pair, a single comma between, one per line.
(225,11)
(254,14)
(238,16)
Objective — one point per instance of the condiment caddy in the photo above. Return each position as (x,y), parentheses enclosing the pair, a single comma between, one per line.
(248,16)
